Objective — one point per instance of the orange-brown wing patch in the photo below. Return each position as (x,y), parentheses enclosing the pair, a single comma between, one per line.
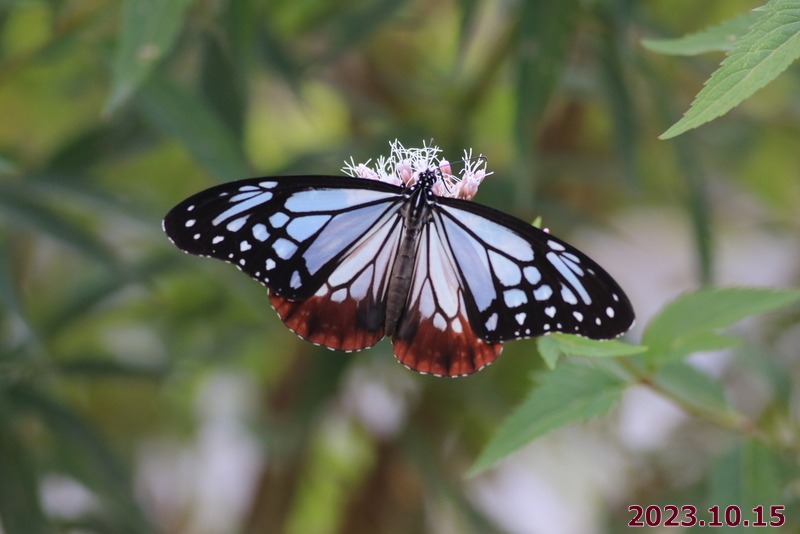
(453,351)
(434,334)
(348,325)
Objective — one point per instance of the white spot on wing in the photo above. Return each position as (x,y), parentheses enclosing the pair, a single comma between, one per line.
(339,295)
(568,295)
(295,282)
(217,239)
(456,325)
(322,291)
(260,232)
(555,246)
(244,246)
(427,305)
(491,322)
(532,274)
(514,297)
(190,223)
(359,288)
(277,220)
(301,228)
(520,317)
(284,248)
(550,311)
(542,293)
(578,315)
(507,271)
(236,224)
(610,312)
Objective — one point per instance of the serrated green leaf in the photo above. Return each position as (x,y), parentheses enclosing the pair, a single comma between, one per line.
(569,394)
(721,37)
(687,324)
(746,477)
(149,28)
(699,342)
(548,350)
(765,51)
(580,346)
(692,386)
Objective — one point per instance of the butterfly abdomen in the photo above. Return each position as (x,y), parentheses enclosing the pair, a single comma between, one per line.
(415,214)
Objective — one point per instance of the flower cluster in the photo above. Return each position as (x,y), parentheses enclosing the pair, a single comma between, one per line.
(404,165)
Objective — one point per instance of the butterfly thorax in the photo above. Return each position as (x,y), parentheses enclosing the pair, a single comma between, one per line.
(416,212)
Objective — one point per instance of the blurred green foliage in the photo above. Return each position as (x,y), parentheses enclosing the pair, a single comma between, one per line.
(111,112)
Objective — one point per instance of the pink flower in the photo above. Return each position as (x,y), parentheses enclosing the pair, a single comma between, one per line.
(403,166)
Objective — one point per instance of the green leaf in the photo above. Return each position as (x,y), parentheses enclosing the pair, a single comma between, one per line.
(571,393)
(687,324)
(545,31)
(149,28)
(549,350)
(550,347)
(19,492)
(86,456)
(692,386)
(721,37)
(7,167)
(21,206)
(613,61)
(746,477)
(765,51)
(191,120)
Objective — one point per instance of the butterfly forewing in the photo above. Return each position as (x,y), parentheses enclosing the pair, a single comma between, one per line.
(524,282)
(288,233)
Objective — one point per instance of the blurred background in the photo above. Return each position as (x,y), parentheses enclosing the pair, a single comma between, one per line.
(143,390)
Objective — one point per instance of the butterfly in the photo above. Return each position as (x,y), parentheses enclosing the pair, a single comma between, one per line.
(349,261)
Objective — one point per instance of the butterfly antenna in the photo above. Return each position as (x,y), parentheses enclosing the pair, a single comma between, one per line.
(440,174)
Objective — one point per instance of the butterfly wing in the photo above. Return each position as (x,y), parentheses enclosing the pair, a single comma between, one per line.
(324,247)
(522,282)
(435,334)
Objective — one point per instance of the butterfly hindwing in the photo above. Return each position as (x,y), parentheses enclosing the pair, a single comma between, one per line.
(322,245)
(435,334)
(348,311)
(525,282)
